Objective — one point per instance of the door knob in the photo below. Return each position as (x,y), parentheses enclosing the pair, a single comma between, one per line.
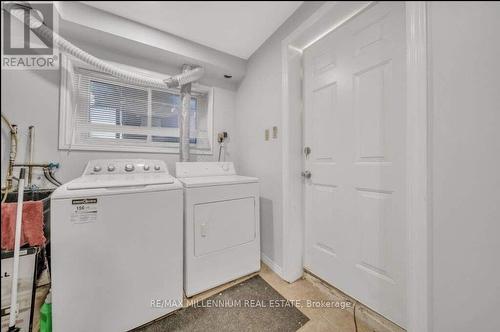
(306,174)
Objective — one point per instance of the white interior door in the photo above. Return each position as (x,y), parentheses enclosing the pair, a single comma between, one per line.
(355,233)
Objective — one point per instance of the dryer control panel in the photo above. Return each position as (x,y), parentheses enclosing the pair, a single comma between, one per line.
(197,169)
(125,166)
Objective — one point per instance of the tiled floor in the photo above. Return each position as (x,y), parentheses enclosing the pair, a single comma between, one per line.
(321,319)
(332,318)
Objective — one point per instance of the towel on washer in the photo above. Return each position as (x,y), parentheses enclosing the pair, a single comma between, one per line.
(32,226)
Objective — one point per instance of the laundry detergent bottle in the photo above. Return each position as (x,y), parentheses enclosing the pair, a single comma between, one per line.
(46,314)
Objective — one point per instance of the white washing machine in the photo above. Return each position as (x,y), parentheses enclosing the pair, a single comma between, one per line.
(116,235)
(221,224)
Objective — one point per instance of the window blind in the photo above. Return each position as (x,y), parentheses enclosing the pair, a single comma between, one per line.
(113,113)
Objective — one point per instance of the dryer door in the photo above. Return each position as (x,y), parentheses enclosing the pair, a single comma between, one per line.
(223,224)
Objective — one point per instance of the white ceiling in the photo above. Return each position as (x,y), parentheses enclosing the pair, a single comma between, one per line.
(234,27)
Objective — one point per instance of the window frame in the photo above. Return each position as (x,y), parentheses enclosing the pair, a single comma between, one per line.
(67,112)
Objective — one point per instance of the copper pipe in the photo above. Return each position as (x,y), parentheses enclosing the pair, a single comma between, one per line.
(12,157)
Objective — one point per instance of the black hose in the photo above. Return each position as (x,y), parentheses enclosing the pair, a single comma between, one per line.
(54,180)
(47,176)
(51,174)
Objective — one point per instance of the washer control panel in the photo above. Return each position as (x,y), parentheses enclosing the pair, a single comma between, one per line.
(125,166)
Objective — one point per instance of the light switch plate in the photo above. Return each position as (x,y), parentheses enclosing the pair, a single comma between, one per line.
(204,230)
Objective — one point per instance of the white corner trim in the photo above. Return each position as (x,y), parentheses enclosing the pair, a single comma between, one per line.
(418,216)
(285,172)
(271,264)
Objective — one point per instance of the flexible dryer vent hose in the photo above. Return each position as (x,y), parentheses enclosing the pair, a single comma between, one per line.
(185,77)
(44,32)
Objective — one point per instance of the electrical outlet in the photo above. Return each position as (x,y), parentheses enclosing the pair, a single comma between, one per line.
(222,136)
(266,135)
(275,132)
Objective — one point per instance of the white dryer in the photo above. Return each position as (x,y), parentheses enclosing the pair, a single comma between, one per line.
(221,224)
(116,235)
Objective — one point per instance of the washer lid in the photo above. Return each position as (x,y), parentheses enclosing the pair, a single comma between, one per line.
(118,180)
(206,181)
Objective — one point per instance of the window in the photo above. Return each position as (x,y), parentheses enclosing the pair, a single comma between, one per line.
(100,112)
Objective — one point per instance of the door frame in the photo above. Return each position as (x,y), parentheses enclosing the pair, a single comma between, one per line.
(326,19)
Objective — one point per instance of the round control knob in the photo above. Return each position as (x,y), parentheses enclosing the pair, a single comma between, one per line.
(111,168)
(146,167)
(157,167)
(97,168)
(129,167)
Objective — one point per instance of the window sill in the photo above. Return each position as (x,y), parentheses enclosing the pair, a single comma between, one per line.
(133,149)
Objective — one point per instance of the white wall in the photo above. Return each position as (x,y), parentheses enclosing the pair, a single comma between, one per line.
(465,120)
(32,98)
(258,104)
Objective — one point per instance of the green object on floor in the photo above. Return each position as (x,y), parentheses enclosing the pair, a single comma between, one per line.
(46,314)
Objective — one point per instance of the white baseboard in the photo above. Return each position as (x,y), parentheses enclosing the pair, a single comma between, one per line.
(272,265)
